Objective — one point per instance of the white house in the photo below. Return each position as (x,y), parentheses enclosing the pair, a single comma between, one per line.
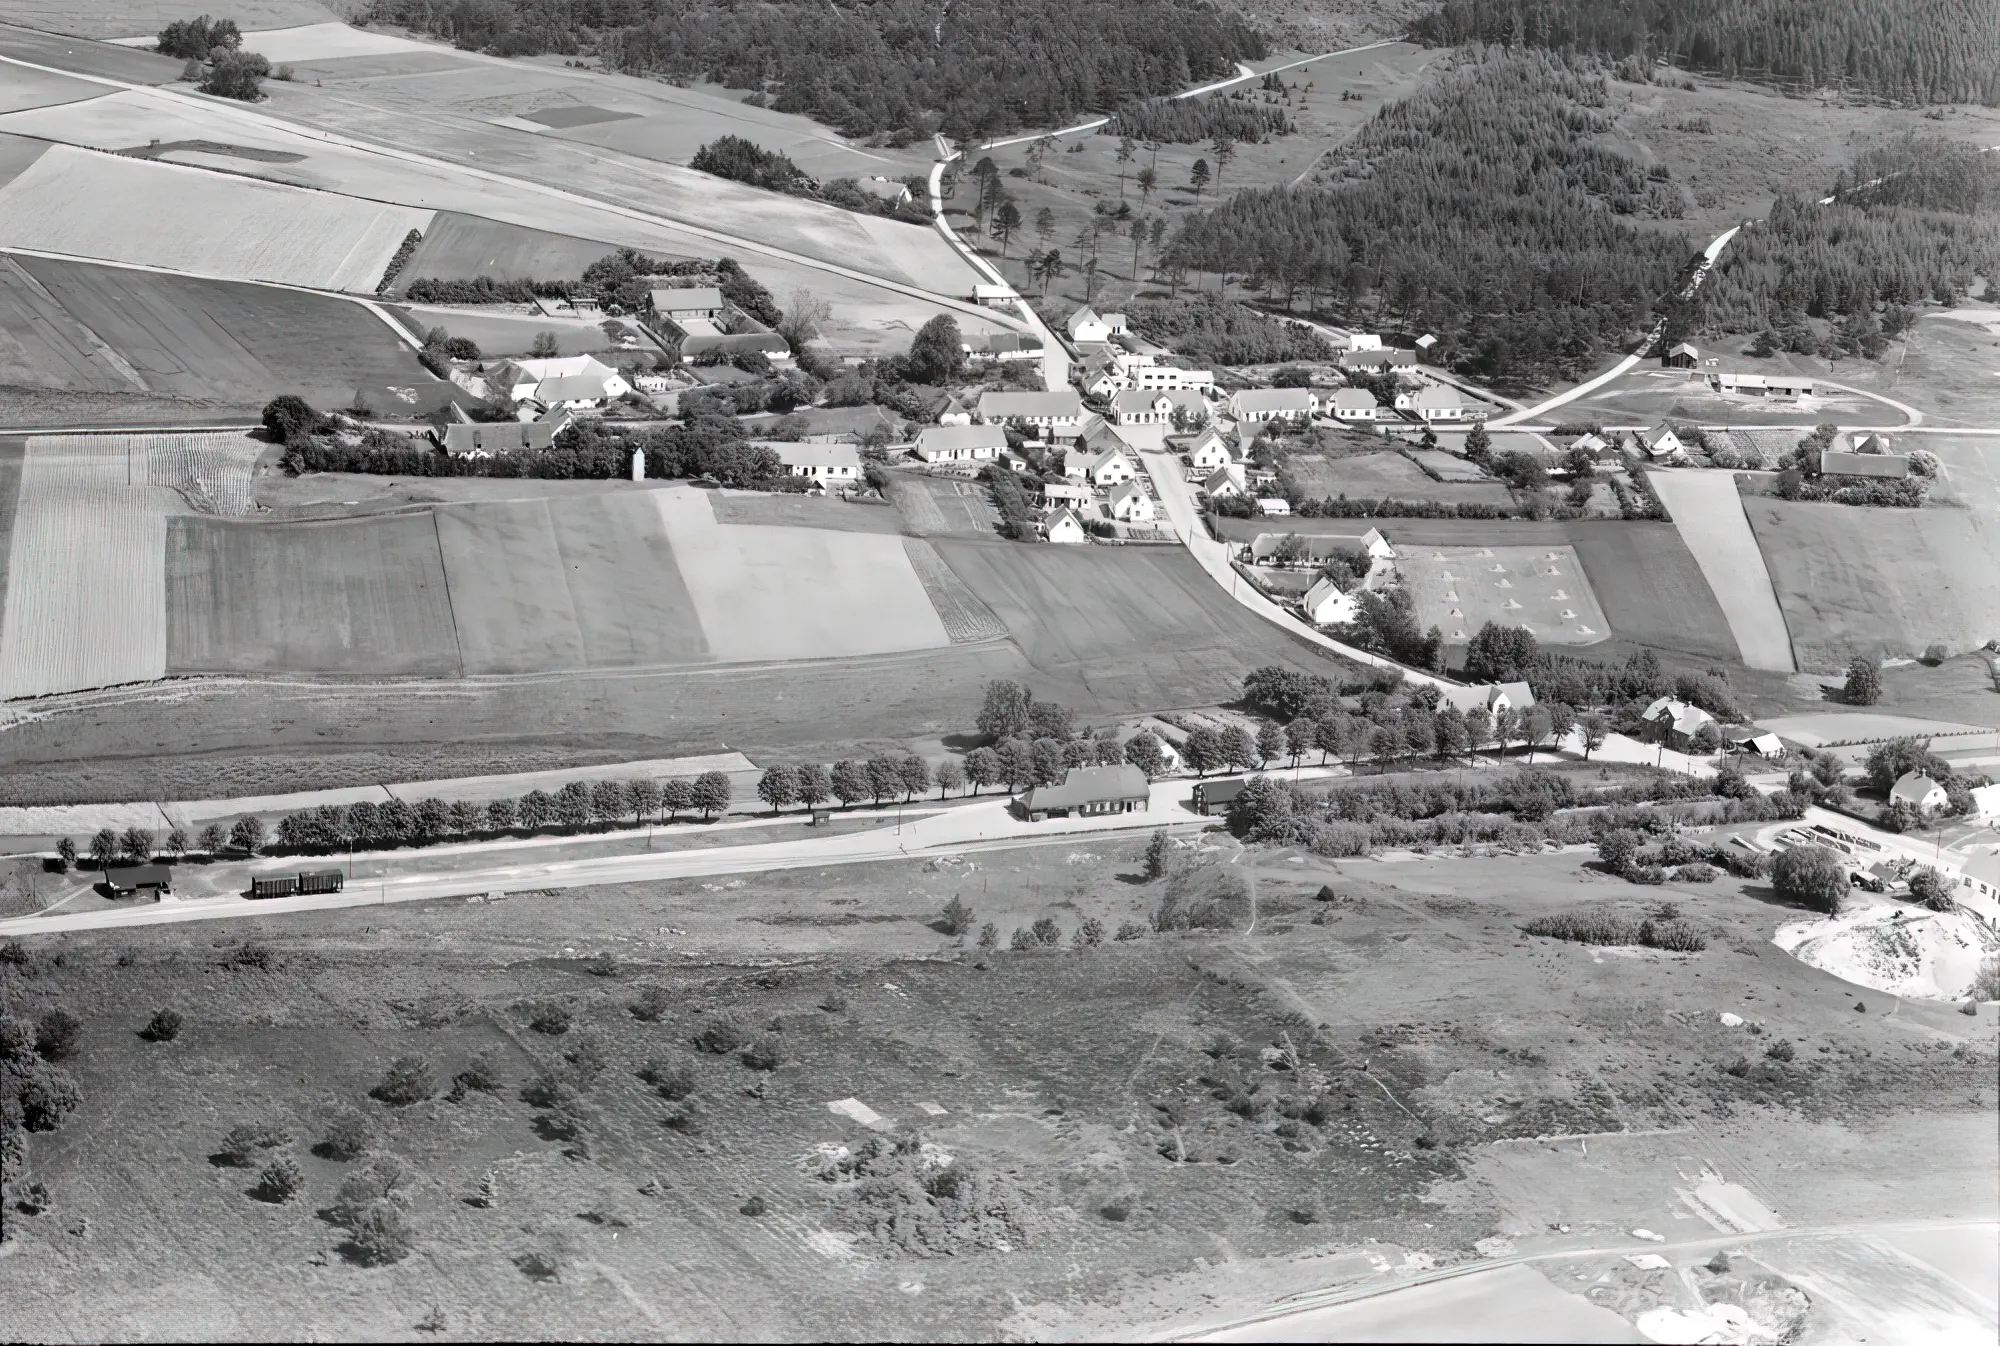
(701,302)
(1676,721)
(1274,506)
(834,464)
(1150,375)
(1982,873)
(1209,453)
(1318,546)
(1086,325)
(1352,404)
(1985,802)
(571,382)
(954,412)
(1326,605)
(654,382)
(1490,698)
(1762,385)
(1057,413)
(1062,526)
(994,296)
(1364,341)
(1156,406)
(1131,504)
(961,443)
(1919,792)
(1065,493)
(1274,404)
(1226,481)
(1382,358)
(1594,445)
(1662,442)
(1439,402)
(1102,377)
(1104,469)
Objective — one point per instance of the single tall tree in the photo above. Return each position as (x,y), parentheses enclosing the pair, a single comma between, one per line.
(779,786)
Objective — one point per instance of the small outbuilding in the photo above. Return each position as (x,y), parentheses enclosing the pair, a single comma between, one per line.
(1213,796)
(139,880)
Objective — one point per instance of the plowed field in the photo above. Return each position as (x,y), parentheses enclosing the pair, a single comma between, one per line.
(461,247)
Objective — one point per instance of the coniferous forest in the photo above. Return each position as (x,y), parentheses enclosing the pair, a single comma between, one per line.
(1481,211)
(1908,51)
(899,69)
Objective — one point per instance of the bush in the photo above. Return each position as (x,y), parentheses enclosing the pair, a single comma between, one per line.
(409,1080)
(956,918)
(379,1235)
(240,1146)
(1695,873)
(1927,886)
(719,1037)
(766,1053)
(652,1004)
(1780,1051)
(1130,930)
(280,1181)
(346,1138)
(57,1033)
(1585,928)
(164,1026)
(1673,936)
(550,1018)
(1204,897)
(1810,876)
(674,1080)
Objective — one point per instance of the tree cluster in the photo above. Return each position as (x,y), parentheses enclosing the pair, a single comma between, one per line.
(1910,51)
(36,1092)
(194,39)
(1487,210)
(745,161)
(1510,654)
(1188,121)
(1214,330)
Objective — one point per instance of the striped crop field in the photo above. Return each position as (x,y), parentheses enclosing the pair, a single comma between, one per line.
(86,568)
(79,203)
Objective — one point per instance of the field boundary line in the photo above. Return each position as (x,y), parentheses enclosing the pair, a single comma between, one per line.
(450,606)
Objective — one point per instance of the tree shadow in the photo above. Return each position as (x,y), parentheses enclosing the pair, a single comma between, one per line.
(1133,880)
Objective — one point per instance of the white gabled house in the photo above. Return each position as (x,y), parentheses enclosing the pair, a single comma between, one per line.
(574,382)
(1131,504)
(1352,404)
(831,464)
(1325,604)
(1103,469)
(961,443)
(1436,402)
(1677,722)
(1661,442)
(1157,406)
(1489,698)
(1058,494)
(1228,480)
(1274,506)
(1057,414)
(1062,526)
(1918,792)
(1151,375)
(1211,449)
(1085,325)
(1274,404)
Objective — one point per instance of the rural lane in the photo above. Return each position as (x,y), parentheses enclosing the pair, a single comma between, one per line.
(1213,557)
(1055,355)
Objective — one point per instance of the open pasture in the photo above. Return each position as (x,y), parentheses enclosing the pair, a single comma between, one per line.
(43,42)
(1460,589)
(295,45)
(73,325)
(943,506)
(804,511)
(796,593)
(1708,513)
(138,21)
(22,87)
(1374,475)
(79,203)
(357,596)
(84,603)
(16,153)
(1879,581)
(513,333)
(464,247)
(1651,395)
(569,583)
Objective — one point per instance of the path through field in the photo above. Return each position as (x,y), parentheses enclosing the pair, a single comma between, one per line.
(1709,515)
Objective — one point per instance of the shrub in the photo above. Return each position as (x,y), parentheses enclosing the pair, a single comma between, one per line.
(1158,849)
(672,1078)
(346,1138)
(409,1080)
(17,1039)
(479,1073)
(1695,873)
(46,1094)
(1089,934)
(550,1018)
(956,918)
(1585,928)
(753,1207)
(652,1004)
(833,1002)
(1617,849)
(1674,936)
(379,1235)
(1047,933)
(1646,874)
(164,1026)
(279,1181)
(1780,1051)
(57,1033)
(1203,897)
(240,1146)
(251,954)
(1927,886)
(719,1037)
(1022,940)
(1810,876)
(766,1053)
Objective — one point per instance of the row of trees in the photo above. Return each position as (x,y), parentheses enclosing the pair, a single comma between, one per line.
(1511,654)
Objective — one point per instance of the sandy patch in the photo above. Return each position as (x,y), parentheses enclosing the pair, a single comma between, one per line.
(1923,955)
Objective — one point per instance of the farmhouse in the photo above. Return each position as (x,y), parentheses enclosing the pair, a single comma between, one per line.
(834,464)
(1274,404)
(1102,377)
(1352,404)
(1833,463)
(1059,493)
(1762,385)
(724,346)
(572,381)
(1085,325)
(994,296)
(1000,347)
(130,880)
(1157,406)
(1676,722)
(1318,547)
(1325,604)
(961,443)
(1057,413)
(1439,402)
(1378,359)
(1107,468)
(1131,504)
(483,441)
(885,189)
(703,303)
(1224,482)
(1210,450)
(1150,375)
(1681,355)
(1661,442)
(1918,792)
(1489,698)
(1087,791)
(1274,506)
(1215,796)
(1063,526)
(1982,874)
(1594,445)
(1764,744)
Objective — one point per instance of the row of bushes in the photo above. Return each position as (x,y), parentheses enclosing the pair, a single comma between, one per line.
(1603,928)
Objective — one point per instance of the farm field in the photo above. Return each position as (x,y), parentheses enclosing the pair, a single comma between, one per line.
(512,333)
(975,1061)
(1460,589)
(803,511)
(85,596)
(361,596)
(21,87)
(583,582)
(213,343)
(1879,581)
(16,154)
(1374,475)
(76,202)
(142,19)
(943,506)
(41,42)
(1142,624)
(1709,515)
(461,247)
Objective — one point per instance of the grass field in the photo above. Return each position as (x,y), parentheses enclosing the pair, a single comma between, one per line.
(1374,475)
(589,582)
(72,325)
(30,30)
(943,506)
(24,88)
(16,153)
(72,201)
(1078,1081)
(1460,589)
(366,596)
(1708,514)
(85,600)
(461,247)
(144,18)
(513,333)
(1651,395)
(1879,581)
(804,511)
(12,451)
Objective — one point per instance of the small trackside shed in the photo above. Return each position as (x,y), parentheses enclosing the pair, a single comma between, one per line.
(132,880)
(1213,796)
(1087,791)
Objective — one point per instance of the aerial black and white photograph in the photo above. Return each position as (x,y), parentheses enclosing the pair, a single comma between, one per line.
(1000,671)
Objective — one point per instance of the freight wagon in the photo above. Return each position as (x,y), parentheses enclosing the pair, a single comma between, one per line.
(305,882)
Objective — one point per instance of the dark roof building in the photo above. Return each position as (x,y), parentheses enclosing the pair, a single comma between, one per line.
(1212,796)
(140,878)
(1088,790)
(484,441)
(1834,463)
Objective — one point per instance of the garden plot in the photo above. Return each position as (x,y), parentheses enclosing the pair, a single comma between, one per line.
(796,593)
(1375,475)
(86,576)
(1854,580)
(581,582)
(1709,514)
(1541,589)
(74,202)
(965,618)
